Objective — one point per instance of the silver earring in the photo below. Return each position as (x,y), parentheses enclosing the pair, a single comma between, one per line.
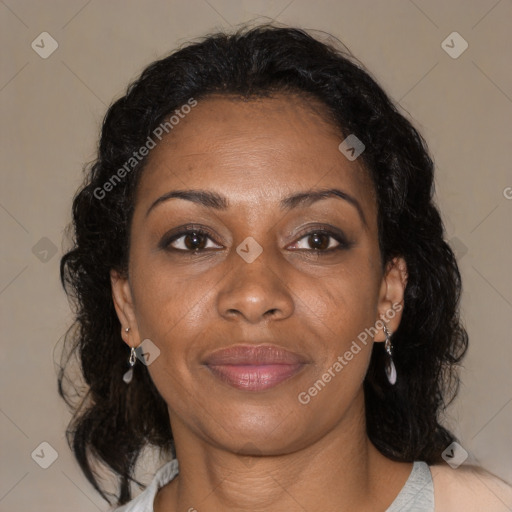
(390,365)
(127,329)
(128,376)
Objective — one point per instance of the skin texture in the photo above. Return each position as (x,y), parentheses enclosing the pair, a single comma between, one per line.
(250,451)
(469,489)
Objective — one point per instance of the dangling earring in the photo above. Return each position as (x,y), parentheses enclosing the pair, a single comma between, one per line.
(128,376)
(390,366)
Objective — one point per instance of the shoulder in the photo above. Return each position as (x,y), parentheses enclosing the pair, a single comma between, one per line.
(469,489)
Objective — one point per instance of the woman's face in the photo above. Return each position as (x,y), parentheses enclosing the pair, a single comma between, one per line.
(303,275)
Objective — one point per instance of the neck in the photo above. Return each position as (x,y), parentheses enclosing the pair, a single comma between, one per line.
(341,471)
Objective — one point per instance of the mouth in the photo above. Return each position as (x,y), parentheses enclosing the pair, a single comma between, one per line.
(254,368)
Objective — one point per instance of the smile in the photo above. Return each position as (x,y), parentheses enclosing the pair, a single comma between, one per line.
(254,368)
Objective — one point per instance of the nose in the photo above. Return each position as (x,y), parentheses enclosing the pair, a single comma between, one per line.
(256,291)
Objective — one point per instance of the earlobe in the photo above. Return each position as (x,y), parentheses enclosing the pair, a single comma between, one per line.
(123,303)
(391,299)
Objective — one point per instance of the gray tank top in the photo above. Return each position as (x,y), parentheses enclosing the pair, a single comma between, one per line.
(417,495)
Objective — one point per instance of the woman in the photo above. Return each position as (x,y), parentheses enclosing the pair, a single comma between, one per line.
(263,291)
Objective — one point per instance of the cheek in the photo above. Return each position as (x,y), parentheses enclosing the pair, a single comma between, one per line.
(168,302)
(343,310)
(171,311)
(340,305)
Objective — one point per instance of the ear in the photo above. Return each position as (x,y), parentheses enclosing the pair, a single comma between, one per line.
(391,297)
(123,302)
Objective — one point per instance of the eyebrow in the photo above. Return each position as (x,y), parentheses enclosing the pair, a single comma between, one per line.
(219,202)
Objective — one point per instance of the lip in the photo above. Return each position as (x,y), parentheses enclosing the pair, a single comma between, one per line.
(254,367)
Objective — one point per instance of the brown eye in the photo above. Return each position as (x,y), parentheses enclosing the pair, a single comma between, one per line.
(190,240)
(321,241)
(194,241)
(318,241)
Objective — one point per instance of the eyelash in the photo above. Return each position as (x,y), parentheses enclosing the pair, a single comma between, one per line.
(343,244)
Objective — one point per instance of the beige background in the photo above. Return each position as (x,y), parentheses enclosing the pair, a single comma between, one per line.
(51,113)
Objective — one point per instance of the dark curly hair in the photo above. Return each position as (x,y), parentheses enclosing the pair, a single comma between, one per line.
(112,422)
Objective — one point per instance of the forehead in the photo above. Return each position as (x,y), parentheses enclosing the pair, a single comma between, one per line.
(259,150)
